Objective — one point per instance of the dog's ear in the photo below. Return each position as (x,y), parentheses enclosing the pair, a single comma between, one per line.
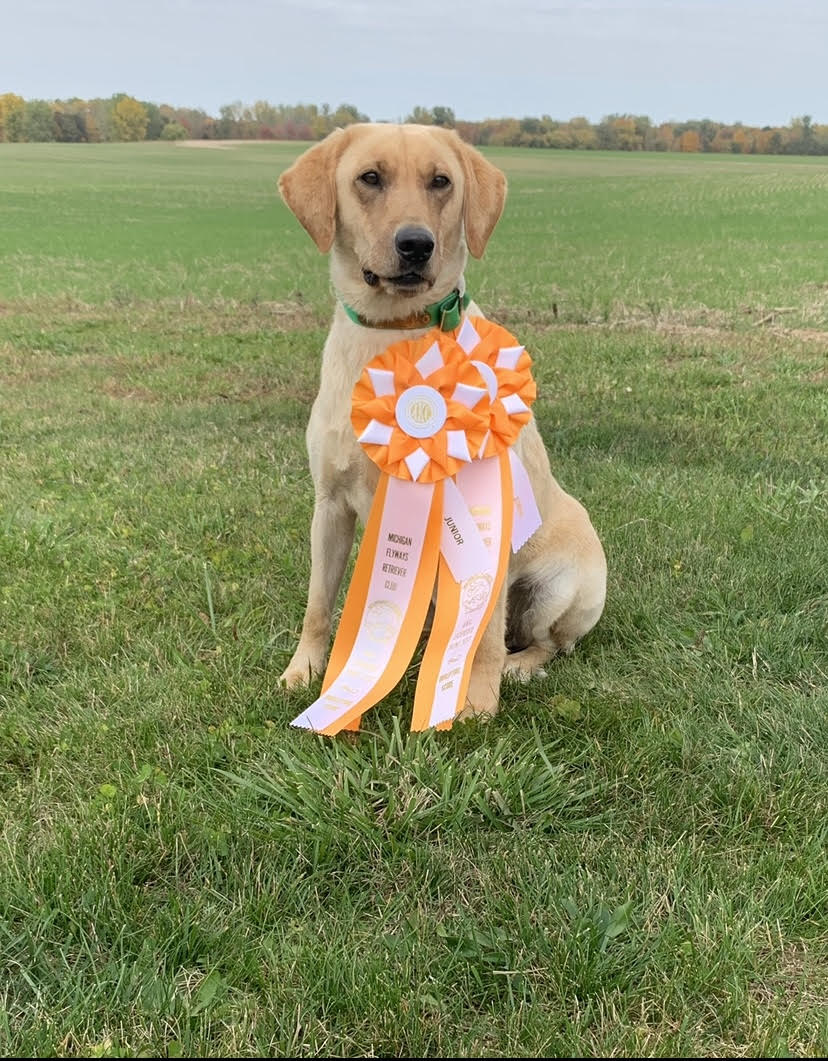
(309,188)
(485,197)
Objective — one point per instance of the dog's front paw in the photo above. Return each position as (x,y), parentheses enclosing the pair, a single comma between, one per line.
(482,699)
(525,665)
(301,671)
(483,695)
(470,712)
(309,659)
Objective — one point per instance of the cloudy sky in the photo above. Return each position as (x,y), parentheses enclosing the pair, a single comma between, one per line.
(756,61)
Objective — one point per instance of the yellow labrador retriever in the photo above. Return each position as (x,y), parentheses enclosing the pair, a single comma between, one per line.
(398,207)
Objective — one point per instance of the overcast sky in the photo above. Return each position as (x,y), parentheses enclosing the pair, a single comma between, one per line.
(756,61)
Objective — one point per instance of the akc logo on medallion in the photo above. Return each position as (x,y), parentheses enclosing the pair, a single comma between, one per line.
(476,592)
(382,620)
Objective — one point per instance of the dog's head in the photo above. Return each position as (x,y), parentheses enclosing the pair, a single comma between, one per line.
(398,205)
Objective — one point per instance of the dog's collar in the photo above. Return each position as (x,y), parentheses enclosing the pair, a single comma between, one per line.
(445,315)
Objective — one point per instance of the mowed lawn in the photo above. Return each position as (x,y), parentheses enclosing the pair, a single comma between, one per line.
(631,859)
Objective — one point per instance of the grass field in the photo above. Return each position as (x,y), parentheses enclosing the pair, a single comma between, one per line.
(631,860)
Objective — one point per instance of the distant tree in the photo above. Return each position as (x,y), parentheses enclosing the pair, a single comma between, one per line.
(621,132)
(130,119)
(265,113)
(420,116)
(664,137)
(321,124)
(739,143)
(93,132)
(762,141)
(227,125)
(39,121)
(174,131)
(689,141)
(707,131)
(533,132)
(583,134)
(722,140)
(821,139)
(99,118)
(443,116)
(626,136)
(291,130)
(347,114)
(470,131)
(563,138)
(801,140)
(644,131)
(199,125)
(607,133)
(155,121)
(11,117)
(70,126)
(505,132)
(436,116)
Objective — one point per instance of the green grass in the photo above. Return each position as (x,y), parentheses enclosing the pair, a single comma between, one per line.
(607,236)
(631,860)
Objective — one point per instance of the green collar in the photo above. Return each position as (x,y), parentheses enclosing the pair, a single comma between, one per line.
(445,315)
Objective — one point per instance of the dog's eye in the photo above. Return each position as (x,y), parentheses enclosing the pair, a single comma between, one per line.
(370,177)
(440,181)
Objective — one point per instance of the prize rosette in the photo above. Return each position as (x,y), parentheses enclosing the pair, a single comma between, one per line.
(439,416)
(507,370)
(420,414)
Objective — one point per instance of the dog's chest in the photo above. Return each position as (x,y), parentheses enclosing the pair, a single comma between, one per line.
(339,464)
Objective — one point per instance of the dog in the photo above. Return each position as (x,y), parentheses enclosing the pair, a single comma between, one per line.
(399,207)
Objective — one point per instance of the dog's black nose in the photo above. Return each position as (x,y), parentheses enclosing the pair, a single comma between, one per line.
(414,245)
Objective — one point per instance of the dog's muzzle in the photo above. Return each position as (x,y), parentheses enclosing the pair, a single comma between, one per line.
(414,245)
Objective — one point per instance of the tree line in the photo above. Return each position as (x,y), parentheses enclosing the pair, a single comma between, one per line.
(123,118)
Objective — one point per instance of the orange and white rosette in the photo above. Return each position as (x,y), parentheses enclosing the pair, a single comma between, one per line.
(507,370)
(438,415)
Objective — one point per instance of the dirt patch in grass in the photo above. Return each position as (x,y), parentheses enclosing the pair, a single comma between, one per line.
(695,320)
(227,316)
(216,316)
(796,978)
(807,335)
(758,338)
(223,145)
(114,388)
